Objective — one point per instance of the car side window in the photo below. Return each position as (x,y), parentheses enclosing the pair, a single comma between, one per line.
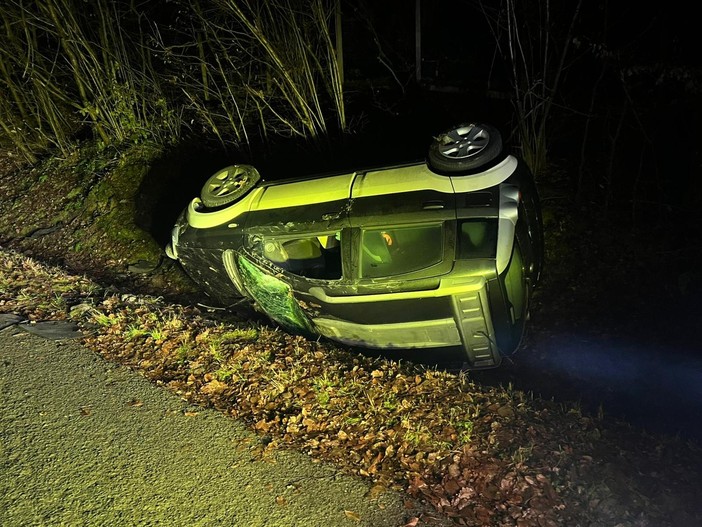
(308,256)
(399,250)
(477,238)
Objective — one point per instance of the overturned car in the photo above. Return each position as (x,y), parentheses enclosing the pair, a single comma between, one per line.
(437,254)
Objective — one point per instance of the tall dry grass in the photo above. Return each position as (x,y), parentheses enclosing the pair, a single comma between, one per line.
(271,67)
(229,69)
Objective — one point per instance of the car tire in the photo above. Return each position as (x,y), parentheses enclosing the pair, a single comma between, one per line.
(465,147)
(229,185)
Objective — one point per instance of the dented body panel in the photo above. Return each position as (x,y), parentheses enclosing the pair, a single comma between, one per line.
(394,257)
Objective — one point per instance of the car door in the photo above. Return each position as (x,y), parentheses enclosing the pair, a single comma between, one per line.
(404,218)
(296,238)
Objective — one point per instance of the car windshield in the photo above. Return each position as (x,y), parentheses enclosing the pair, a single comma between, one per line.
(477,238)
(316,256)
(399,250)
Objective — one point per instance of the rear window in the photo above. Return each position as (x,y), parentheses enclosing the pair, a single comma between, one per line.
(477,238)
(400,250)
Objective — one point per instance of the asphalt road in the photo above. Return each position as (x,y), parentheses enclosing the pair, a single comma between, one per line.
(87,442)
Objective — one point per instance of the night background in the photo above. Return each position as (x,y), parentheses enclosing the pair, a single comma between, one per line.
(602,100)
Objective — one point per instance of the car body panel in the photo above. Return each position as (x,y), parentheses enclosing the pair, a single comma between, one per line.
(205,220)
(488,178)
(458,309)
(391,257)
(404,178)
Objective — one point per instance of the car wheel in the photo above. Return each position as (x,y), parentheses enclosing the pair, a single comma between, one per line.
(465,147)
(228,185)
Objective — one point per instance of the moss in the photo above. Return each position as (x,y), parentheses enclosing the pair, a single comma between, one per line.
(109,207)
(88,198)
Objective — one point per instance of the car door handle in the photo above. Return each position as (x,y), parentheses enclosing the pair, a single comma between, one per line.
(433,205)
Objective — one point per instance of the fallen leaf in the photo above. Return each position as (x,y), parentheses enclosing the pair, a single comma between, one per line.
(412,523)
(353,515)
(451,487)
(136,403)
(281,501)
(376,490)
(214,387)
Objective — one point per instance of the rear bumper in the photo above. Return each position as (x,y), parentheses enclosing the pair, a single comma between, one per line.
(469,328)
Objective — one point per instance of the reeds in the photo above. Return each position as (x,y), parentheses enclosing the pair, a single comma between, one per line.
(272,65)
(229,69)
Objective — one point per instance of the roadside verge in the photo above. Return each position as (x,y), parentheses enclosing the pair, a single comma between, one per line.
(87,442)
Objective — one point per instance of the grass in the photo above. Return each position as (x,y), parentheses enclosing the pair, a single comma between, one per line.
(323,397)
(246,334)
(107,320)
(132,332)
(415,434)
(185,352)
(158,334)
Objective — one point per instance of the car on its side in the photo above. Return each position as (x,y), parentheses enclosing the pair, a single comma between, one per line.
(436,254)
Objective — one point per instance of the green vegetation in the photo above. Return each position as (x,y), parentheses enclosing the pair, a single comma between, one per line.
(136,74)
(88,207)
(109,87)
(240,334)
(244,71)
(134,331)
(106,319)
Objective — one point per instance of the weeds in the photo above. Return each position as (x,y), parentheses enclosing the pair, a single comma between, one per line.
(415,434)
(158,334)
(106,320)
(110,68)
(224,374)
(246,334)
(463,422)
(132,332)
(323,397)
(539,57)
